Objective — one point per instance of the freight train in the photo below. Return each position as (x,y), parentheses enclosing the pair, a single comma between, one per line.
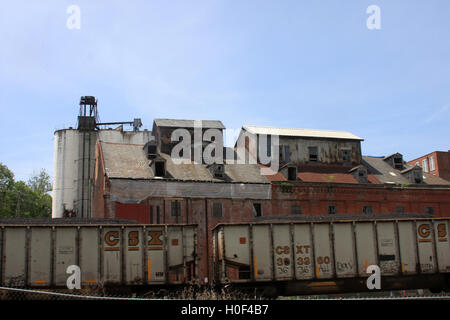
(271,258)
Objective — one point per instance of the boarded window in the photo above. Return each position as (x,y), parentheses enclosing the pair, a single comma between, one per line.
(367,209)
(175,208)
(332,209)
(346,155)
(217,210)
(296,209)
(429,210)
(257,210)
(313,153)
(399,209)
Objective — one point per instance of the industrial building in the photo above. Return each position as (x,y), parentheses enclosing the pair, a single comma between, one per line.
(138,175)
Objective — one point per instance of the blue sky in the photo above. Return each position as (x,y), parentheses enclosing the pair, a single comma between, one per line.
(300,64)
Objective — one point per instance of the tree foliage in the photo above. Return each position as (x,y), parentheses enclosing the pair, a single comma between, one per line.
(24,200)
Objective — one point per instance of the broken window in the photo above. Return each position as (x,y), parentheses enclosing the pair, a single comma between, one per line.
(399,209)
(292,173)
(160,169)
(367,209)
(175,208)
(257,210)
(217,210)
(313,153)
(332,209)
(429,210)
(296,209)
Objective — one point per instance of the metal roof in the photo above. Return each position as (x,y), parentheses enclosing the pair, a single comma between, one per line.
(216,124)
(315,133)
(130,161)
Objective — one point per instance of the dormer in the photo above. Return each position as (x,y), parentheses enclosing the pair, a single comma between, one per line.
(413,174)
(360,174)
(151,149)
(395,161)
(217,170)
(289,171)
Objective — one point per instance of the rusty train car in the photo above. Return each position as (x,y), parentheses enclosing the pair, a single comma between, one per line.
(272,258)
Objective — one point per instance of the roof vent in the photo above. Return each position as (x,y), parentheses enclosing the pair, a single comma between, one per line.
(289,171)
(151,149)
(217,170)
(395,161)
(413,174)
(360,174)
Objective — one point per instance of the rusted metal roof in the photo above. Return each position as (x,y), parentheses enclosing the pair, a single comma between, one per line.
(216,124)
(312,133)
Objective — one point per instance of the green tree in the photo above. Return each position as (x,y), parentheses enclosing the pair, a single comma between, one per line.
(27,200)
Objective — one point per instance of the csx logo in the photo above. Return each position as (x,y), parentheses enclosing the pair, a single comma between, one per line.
(112,238)
(424,231)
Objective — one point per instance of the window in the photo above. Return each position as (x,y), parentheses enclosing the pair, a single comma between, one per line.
(367,209)
(292,173)
(429,210)
(157,215)
(431,160)
(175,208)
(424,165)
(418,163)
(346,155)
(332,209)
(151,214)
(217,210)
(269,145)
(160,169)
(313,153)
(399,209)
(296,209)
(287,157)
(398,163)
(257,210)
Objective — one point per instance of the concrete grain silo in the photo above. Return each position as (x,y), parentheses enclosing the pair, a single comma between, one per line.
(74,158)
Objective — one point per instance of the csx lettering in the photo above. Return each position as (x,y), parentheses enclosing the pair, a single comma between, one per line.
(300,249)
(133,238)
(442,232)
(154,238)
(281,250)
(424,230)
(112,238)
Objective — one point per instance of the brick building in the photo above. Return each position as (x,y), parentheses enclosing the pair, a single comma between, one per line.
(436,163)
(319,173)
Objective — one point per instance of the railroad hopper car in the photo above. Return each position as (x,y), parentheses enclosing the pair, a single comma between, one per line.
(110,255)
(327,257)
